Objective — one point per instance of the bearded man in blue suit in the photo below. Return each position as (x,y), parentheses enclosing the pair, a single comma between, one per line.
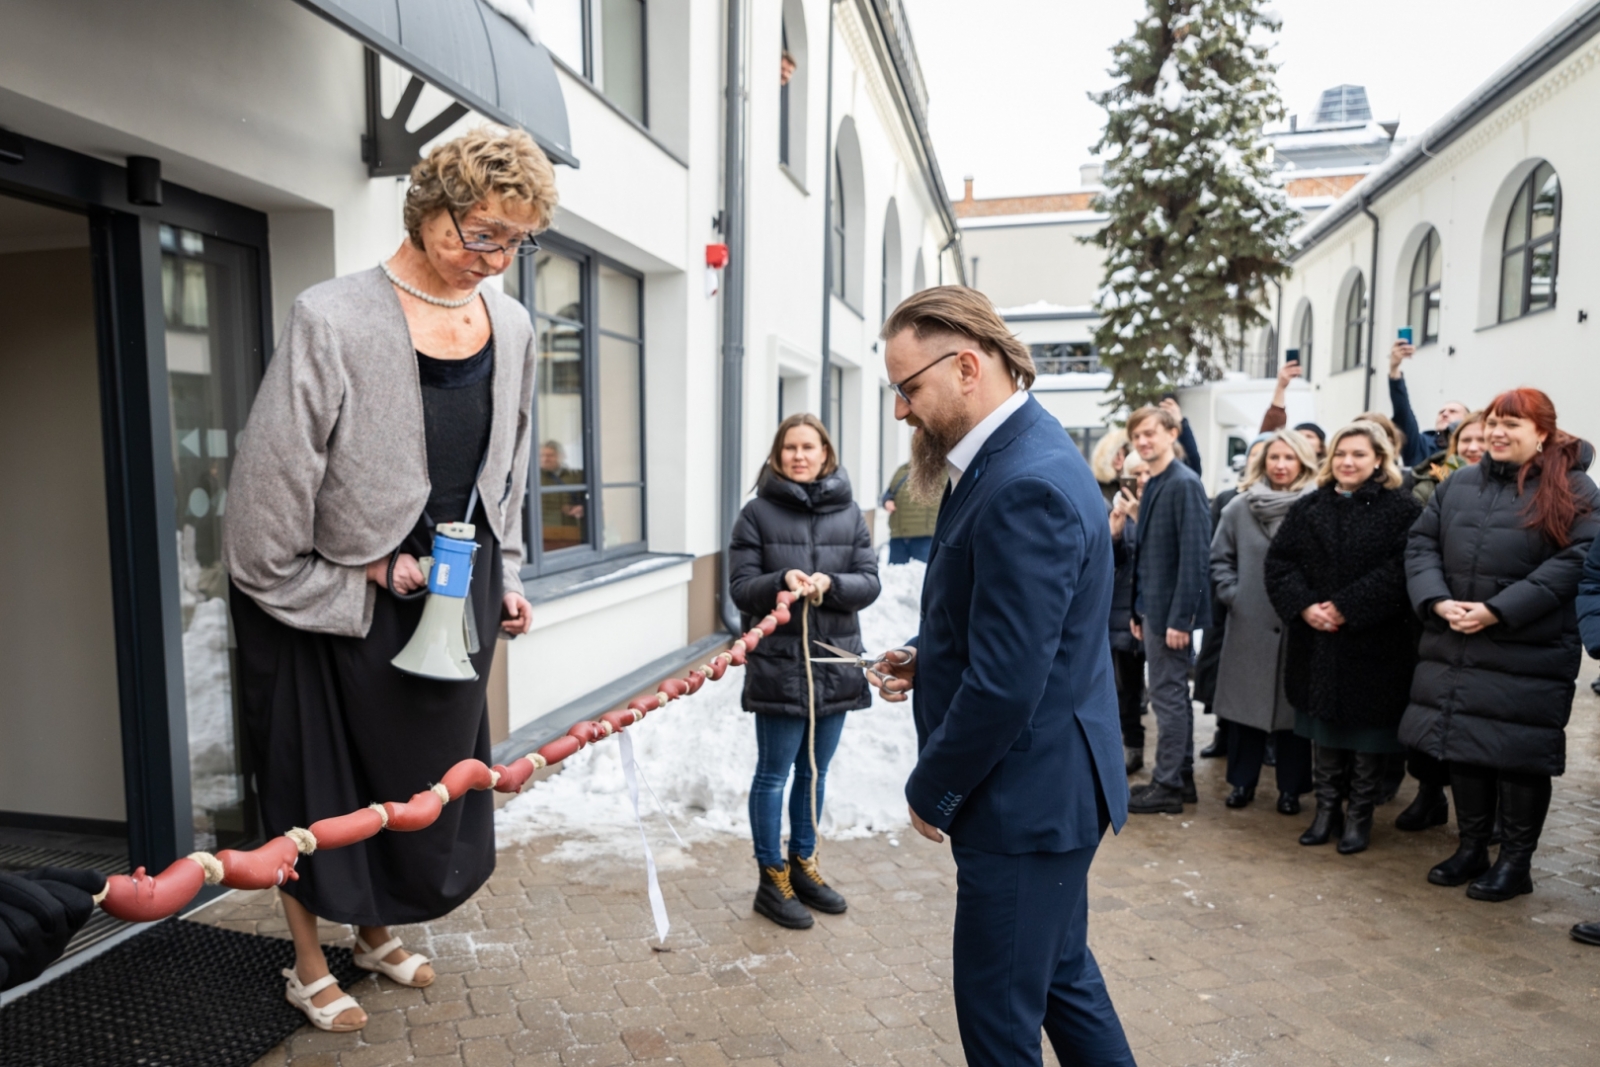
(1020,757)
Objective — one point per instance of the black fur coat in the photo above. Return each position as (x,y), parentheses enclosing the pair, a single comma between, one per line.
(1350,550)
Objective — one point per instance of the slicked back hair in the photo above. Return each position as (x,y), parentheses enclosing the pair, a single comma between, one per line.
(962,312)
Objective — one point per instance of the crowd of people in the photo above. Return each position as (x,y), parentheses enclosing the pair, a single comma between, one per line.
(1371,603)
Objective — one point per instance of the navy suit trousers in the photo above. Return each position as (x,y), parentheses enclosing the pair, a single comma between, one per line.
(1022,962)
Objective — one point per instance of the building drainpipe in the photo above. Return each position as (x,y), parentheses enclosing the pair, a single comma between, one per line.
(733,288)
(1277,331)
(942,250)
(827,234)
(1372,305)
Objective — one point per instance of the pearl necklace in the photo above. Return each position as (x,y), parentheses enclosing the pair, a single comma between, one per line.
(427,298)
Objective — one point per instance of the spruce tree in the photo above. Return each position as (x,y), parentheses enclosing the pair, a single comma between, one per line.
(1197,225)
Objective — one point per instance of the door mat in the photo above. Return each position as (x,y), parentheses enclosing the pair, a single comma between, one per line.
(182,994)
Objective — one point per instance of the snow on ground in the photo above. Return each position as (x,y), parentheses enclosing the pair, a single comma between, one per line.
(699,753)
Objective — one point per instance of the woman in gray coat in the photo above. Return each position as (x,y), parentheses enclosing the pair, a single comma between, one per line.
(398,400)
(1250,692)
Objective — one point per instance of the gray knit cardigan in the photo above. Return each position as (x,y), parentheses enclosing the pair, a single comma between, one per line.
(332,470)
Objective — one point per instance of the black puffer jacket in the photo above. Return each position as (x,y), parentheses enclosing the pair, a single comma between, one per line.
(812,527)
(1500,697)
(1349,550)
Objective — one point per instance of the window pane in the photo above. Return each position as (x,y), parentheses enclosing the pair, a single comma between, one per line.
(624,515)
(1430,328)
(564,515)
(1435,259)
(1417,314)
(1542,283)
(1517,221)
(619,302)
(620,405)
(558,287)
(213,355)
(619,55)
(1419,268)
(1511,286)
(561,30)
(1546,201)
(1305,346)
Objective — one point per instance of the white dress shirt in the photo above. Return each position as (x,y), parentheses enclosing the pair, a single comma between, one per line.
(966,449)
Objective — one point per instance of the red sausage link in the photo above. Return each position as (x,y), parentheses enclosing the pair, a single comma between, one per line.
(675,687)
(560,749)
(719,667)
(346,829)
(781,613)
(514,777)
(644,705)
(751,640)
(619,720)
(465,776)
(415,814)
(262,868)
(139,898)
(695,679)
(737,652)
(767,625)
(785,598)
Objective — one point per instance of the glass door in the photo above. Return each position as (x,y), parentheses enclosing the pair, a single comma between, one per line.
(211,298)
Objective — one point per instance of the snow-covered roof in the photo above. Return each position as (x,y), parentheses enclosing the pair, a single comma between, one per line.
(1568,33)
(1039,218)
(1041,309)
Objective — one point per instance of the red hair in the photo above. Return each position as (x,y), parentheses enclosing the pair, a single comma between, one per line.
(1554,507)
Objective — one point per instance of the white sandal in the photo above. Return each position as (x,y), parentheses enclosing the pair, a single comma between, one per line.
(321,1016)
(404,972)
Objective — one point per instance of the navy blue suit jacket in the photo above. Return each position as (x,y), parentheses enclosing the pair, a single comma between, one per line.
(1016,711)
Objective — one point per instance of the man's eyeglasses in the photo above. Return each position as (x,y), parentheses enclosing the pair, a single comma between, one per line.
(900,386)
(522,246)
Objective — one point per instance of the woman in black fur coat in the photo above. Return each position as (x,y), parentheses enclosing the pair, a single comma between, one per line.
(1336,575)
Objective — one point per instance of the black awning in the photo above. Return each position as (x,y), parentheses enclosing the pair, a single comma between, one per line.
(468,50)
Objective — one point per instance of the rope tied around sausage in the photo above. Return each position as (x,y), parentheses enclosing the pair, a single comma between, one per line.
(143,897)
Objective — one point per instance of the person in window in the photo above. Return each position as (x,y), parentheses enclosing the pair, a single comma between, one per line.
(803,532)
(1493,569)
(1250,694)
(1420,444)
(560,513)
(398,399)
(1336,577)
(911,519)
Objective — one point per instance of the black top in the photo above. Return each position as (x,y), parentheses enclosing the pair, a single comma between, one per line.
(457,411)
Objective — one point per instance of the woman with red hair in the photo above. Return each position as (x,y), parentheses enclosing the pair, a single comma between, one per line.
(1492,567)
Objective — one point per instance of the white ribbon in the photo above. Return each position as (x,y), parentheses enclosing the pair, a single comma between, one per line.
(658,906)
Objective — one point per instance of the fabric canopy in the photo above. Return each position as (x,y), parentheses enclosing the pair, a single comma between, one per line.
(466,49)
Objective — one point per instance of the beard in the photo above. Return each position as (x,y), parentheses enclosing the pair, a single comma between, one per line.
(936,435)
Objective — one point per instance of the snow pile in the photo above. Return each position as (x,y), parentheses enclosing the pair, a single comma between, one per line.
(699,753)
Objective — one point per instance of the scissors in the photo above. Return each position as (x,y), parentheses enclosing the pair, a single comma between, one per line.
(842,655)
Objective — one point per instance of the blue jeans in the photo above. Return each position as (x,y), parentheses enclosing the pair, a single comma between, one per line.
(906,549)
(781,744)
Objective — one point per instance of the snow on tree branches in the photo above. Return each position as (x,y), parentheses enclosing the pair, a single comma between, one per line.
(1197,224)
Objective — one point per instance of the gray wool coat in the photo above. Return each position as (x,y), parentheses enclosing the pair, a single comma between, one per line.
(1255,646)
(332,470)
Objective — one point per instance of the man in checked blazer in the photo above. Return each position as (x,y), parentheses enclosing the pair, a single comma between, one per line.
(1020,751)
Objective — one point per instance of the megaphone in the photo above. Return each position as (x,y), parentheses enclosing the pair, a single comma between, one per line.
(446,637)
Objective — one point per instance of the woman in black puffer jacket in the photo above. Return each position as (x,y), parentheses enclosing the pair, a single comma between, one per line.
(1493,569)
(803,532)
(1335,574)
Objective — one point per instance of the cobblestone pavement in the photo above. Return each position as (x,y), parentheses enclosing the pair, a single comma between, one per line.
(1222,940)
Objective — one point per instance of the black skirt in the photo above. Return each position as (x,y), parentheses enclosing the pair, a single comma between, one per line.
(333,726)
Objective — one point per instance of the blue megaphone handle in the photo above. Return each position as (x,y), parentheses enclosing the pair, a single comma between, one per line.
(452,566)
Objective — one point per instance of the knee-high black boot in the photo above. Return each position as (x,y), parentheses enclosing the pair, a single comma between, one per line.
(1524,803)
(1474,789)
(1367,782)
(1328,772)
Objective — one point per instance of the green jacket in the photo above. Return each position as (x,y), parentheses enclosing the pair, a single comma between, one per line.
(910,517)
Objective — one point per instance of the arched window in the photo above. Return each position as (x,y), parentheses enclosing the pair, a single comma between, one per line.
(1528,257)
(889,289)
(1355,323)
(1426,271)
(836,219)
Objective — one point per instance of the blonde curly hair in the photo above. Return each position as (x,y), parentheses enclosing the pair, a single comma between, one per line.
(488,161)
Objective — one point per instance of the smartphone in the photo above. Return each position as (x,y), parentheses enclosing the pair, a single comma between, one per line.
(1291,355)
(1405,335)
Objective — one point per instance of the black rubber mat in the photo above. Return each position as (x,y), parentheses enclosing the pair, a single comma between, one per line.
(179,995)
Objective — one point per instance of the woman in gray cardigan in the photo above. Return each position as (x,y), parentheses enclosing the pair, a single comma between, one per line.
(398,399)
(1250,676)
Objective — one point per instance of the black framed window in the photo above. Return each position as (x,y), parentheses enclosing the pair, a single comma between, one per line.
(787,62)
(1426,271)
(836,220)
(1529,250)
(604,40)
(835,413)
(586,495)
(1067,357)
(1355,323)
(1305,344)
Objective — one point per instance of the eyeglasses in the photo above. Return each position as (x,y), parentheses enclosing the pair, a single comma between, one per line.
(521,247)
(900,386)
